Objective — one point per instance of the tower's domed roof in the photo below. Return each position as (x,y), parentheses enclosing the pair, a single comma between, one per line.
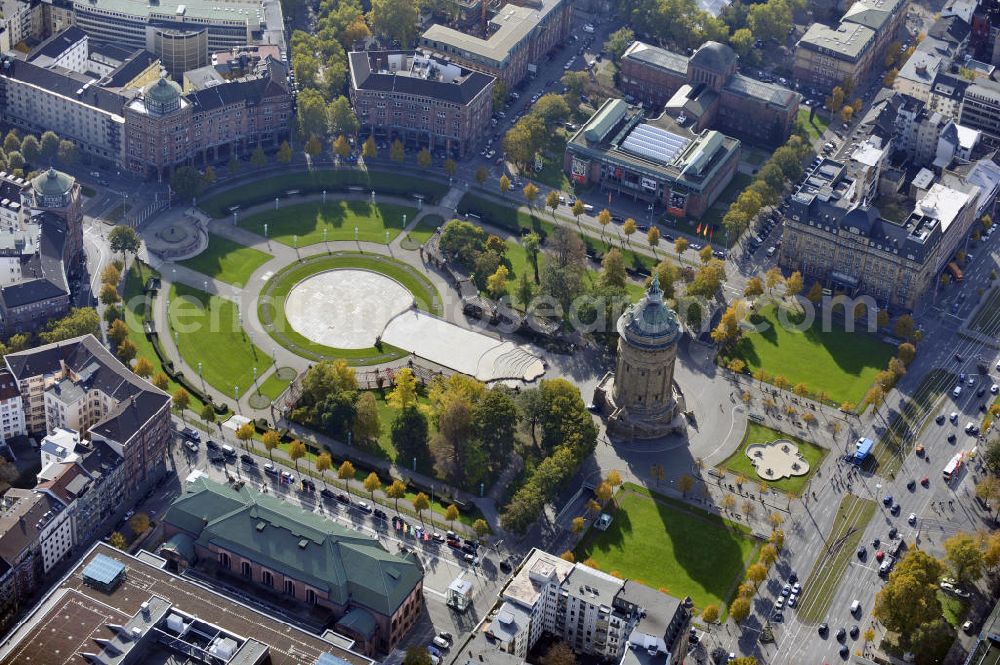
(52,183)
(714,57)
(163,92)
(649,322)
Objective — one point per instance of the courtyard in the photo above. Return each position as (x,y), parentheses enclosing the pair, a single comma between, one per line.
(671,546)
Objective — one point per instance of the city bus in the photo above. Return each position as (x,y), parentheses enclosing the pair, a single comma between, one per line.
(952,468)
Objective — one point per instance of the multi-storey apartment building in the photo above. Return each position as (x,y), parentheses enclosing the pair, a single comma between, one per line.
(833,237)
(36,533)
(981,108)
(707,90)
(826,57)
(594,613)
(421,99)
(11,408)
(657,161)
(371,595)
(79,381)
(517,38)
(166,128)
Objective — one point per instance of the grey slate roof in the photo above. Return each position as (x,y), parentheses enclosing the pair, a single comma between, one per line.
(350,566)
(63,82)
(137,399)
(57,43)
(44,274)
(463,92)
(657,57)
(714,56)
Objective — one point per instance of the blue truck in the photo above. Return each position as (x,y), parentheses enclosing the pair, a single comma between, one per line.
(863,449)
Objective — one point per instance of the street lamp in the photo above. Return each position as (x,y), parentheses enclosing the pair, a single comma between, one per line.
(275,202)
(236,396)
(265,230)
(355,234)
(414,465)
(255,380)
(202,376)
(404,220)
(324,196)
(234,218)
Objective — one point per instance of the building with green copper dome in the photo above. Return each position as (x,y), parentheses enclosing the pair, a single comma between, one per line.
(641,400)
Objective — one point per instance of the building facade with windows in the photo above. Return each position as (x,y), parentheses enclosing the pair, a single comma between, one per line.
(595,614)
(832,236)
(372,596)
(167,128)
(78,380)
(654,160)
(854,50)
(518,36)
(707,90)
(421,99)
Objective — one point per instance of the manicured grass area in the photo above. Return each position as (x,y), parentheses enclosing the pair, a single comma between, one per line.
(740,464)
(953,609)
(273,386)
(317,180)
(840,364)
(853,516)
(272,311)
(669,545)
(422,232)
(386,414)
(227,261)
(304,223)
(987,319)
(815,128)
(552,173)
(135,312)
(209,332)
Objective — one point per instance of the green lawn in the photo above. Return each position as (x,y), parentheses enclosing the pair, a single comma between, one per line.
(272,311)
(816,127)
(273,386)
(669,545)
(853,516)
(227,261)
(987,320)
(308,221)
(209,332)
(552,173)
(840,364)
(135,311)
(386,414)
(318,180)
(953,609)
(740,464)
(422,232)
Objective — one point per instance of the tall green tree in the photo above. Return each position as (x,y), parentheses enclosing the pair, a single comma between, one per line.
(186,182)
(396,19)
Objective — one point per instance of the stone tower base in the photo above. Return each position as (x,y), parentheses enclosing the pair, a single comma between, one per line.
(632,425)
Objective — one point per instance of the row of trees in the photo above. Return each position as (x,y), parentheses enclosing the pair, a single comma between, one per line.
(331,403)
(784,166)
(563,430)
(23,151)
(756,575)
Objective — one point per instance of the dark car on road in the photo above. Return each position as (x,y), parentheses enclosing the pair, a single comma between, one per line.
(248,460)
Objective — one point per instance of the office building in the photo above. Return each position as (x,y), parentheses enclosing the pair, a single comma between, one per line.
(11,408)
(77,384)
(113,607)
(517,38)
(981,108)
(832,235)
(854,50)
(248,538)
(707,90)
(655,160)
(421,99)
(594,613)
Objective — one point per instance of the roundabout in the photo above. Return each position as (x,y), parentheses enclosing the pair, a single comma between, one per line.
(336,305)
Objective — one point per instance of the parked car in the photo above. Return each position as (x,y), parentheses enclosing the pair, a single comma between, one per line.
(248,460)
(269,469)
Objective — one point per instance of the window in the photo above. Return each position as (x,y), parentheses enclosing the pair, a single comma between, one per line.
(310,596)
(225,561)
(267,578)
(246,570)
(290,587)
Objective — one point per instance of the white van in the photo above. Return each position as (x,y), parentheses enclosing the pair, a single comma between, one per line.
(855,608)
(957,391)
(228,451)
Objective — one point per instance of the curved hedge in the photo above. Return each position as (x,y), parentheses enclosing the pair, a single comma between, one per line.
(312,182)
